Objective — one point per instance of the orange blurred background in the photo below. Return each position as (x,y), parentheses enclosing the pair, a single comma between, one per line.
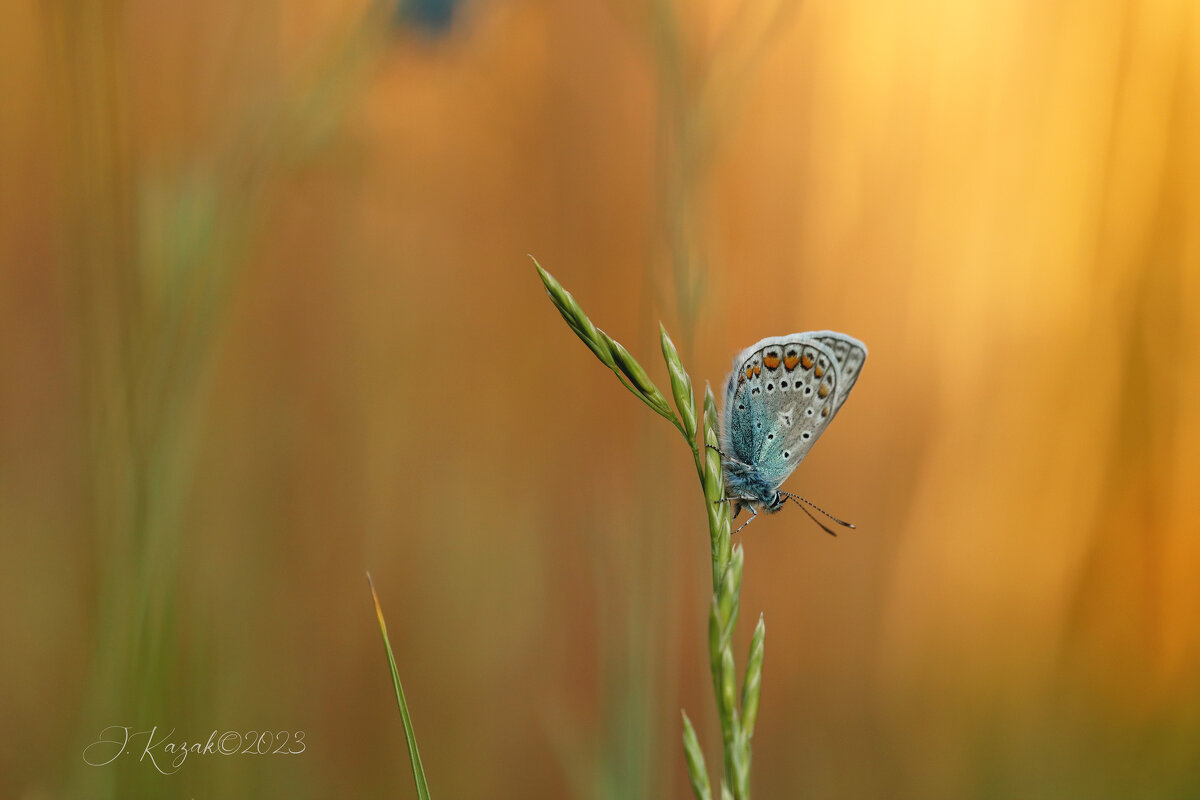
(267,322)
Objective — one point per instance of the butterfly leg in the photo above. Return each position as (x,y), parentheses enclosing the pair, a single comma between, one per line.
(753,516)
(724,457)
(738,503)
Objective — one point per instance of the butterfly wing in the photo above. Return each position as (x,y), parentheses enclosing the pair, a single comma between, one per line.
(783,393)
(850,353)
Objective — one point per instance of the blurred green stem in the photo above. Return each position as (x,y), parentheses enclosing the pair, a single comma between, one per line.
(152,256)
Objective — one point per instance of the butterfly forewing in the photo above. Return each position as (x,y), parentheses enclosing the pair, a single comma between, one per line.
(783,393)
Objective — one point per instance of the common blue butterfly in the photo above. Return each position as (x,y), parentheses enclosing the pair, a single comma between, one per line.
(781,396)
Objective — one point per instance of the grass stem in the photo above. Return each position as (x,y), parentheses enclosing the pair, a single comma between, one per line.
(737,724)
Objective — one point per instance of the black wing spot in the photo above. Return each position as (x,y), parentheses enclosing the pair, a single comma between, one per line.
(786,454)
(809,412)
(783,384)
(770,386)
(806,434)
(770,436)
(807,390)
(758,424)
(742,407)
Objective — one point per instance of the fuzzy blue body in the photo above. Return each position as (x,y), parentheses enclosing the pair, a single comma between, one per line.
(781,396)
(748,486)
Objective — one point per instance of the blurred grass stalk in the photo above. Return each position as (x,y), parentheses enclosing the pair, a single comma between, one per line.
(697,96)
(153,260)
(737,721)
(698,89)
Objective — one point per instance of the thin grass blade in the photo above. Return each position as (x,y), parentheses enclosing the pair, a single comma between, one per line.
(409,734)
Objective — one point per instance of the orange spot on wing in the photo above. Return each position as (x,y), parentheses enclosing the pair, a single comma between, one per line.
(823,392)
(819,371)
(790,362)
(756,369)
(749,372)
(771,361)
(806,361)
(825,411)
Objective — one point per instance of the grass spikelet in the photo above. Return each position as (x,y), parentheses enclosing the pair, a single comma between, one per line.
(753,680)
(681,384)
(697,771)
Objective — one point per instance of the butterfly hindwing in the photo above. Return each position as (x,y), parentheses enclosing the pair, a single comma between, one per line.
(850,353)
(782,395)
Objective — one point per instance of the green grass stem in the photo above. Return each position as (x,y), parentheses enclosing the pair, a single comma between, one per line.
(737,726)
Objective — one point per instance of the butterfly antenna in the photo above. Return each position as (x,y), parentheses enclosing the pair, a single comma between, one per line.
(800,499)
(822,525)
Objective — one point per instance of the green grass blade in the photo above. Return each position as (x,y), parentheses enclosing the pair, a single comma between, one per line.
(409,735)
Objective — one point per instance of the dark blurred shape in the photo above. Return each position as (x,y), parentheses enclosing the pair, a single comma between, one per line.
(431,16)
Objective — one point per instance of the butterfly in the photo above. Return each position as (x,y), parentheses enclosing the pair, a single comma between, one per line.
(781,396)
